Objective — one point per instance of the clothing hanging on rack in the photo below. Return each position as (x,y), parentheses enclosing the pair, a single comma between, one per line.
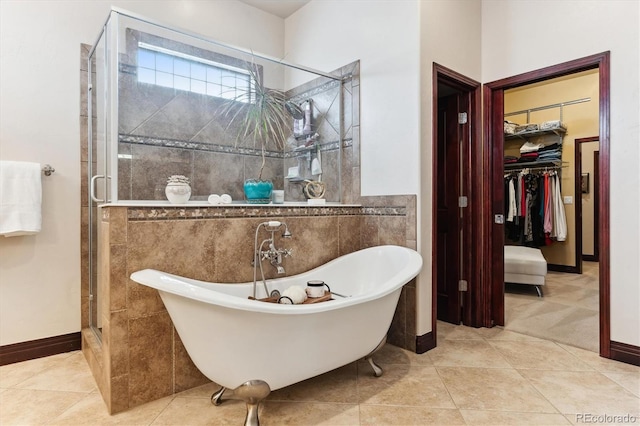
(560,222)
(534,206)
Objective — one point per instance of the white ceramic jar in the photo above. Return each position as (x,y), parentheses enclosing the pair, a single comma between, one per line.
(178,192)
(315,288)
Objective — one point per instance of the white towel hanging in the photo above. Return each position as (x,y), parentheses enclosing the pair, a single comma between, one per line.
(20,198)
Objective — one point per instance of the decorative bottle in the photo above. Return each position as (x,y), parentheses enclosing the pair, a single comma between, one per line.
(178,190)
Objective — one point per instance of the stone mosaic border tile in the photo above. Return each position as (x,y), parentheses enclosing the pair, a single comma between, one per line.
(176,213)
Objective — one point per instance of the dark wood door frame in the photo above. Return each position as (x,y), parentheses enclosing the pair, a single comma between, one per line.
(472,90)
(492,297)
(578,201)
(596,202)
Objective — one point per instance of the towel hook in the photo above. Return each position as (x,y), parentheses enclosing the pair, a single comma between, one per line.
(47,169)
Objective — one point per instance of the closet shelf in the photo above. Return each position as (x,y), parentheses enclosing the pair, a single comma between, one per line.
(558,131)
(536,165)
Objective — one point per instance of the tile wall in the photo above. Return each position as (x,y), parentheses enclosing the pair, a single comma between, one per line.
(164,132)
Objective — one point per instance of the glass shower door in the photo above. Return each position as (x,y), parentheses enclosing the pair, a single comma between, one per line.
(100,133)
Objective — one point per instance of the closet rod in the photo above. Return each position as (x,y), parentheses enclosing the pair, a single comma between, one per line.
(519,169)
(540,108)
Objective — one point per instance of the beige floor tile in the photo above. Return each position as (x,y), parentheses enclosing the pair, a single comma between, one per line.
(542,355)
(521,300)
(410,385)
(415,389)
(380,415)
(340,385)
(443,329)
(554,321)
(573,295)
(34,407)
(467,353)
(200,411)
(304,413)
(390,354)
(203,391)
(629,381)
(13,374)
(71,375)
(599,363)
(506,418)
(492,389)
(499,333)
(91,411)
(460,332)
(573,392)
(567,313)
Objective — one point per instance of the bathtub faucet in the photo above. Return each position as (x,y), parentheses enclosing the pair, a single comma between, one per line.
(271,253)
(275,256)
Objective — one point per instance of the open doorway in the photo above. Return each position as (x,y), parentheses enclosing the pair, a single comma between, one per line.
(587,159)
(548,293)
(493,292)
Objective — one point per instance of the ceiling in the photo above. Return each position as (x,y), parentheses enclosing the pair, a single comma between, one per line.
(281,8)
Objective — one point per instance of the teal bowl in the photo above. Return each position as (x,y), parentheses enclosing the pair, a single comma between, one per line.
(258,191)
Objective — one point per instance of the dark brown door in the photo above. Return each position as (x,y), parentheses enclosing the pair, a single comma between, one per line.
(457,155)
(449,220)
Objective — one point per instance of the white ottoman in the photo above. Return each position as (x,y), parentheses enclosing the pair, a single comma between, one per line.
(525,265)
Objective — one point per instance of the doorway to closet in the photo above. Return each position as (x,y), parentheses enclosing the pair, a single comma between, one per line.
(493,293)
(546,122)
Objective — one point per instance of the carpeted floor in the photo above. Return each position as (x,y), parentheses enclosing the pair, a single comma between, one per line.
(568,312)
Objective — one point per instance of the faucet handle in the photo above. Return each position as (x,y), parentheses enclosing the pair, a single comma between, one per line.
(287,252)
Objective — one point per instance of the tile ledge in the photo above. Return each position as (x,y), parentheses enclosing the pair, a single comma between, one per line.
(200,204)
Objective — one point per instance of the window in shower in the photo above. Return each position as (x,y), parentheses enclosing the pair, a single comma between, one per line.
(168,68)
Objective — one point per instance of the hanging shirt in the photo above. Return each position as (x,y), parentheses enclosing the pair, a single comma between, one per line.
(523,196)
(548,224)
(559,217)
(512,202)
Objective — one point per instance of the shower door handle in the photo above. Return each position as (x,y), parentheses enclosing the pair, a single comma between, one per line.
(92,187)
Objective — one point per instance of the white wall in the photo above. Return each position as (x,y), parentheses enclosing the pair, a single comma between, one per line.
(449,36)
(39,121)
(383,35)
(515,41)
(396,42)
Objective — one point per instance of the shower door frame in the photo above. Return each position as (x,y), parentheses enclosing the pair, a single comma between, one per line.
(100,185)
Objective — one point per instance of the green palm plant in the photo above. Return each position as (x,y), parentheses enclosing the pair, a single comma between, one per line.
(262,114)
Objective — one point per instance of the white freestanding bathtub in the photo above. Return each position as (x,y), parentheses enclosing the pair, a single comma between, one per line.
(235,341)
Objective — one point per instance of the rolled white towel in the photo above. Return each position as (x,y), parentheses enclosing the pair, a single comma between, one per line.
(225,199)
(214,199)
(296,293)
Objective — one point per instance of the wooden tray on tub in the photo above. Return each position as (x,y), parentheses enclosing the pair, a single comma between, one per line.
(310,300)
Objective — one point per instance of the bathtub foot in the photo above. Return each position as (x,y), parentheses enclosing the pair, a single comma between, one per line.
(251,392)
(377,370)
(216,398)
